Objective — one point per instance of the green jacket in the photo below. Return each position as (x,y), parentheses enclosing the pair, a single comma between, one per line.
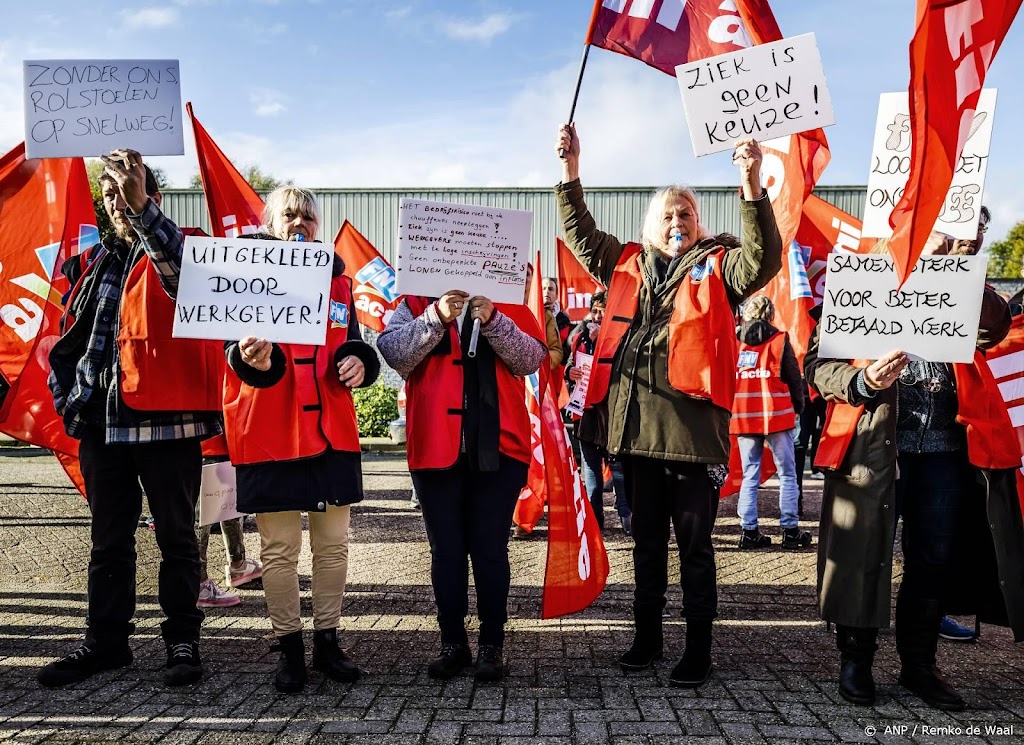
(646,416)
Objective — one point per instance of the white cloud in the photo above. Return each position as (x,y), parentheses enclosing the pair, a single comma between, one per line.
(483,30)
(267,102)
(150,17)
(397,14)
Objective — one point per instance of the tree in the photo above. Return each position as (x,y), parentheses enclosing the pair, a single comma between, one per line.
(94,168)
(1006,257)
(252,173)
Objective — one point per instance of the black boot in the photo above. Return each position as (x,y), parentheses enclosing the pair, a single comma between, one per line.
(331,660)
(857,654)
(647,640)
(291,665)
(695,666)
(917,640)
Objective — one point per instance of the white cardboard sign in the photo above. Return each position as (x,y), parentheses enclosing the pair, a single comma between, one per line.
(90,107)
(235,287)
(934,316)
(480,250)
(584,362)
(218,494)
(765,91)
(890,169)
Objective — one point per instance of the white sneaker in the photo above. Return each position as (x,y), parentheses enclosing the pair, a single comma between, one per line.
(211,596)
(250,570)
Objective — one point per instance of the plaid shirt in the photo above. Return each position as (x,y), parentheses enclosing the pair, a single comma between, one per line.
(98,304)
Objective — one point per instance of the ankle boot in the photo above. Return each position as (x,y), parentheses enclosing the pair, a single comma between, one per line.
(917,641)
(647,640)
(291,665)
(857,654)
(695,666)
(331,660)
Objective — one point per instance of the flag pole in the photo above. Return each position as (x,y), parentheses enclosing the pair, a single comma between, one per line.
(583,65)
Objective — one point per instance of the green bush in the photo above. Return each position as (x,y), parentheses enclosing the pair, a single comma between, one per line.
(376,408)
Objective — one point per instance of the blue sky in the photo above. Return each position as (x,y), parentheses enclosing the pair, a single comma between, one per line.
(361,93)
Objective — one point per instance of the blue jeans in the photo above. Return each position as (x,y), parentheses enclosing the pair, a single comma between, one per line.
(782,447)
(593,480)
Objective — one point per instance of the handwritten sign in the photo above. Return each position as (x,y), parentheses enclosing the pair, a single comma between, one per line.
(90,107)
(764,91)
(276,290)
(890,169)
(481,250)
(578,398)
(218,494)
(934,316)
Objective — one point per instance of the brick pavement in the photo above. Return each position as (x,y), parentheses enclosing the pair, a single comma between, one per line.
(773,683)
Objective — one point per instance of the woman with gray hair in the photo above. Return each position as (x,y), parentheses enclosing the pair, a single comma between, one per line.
(663,381)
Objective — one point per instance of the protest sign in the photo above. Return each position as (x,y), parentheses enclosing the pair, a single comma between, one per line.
(578,398)
(218,494)
(90,107)
(890,169)
(480,250)
(765,91)
(934,316)
(231,288)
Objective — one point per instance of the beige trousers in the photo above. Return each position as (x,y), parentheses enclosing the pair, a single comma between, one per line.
(281,543)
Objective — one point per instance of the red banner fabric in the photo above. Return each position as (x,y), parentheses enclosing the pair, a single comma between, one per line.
(373,279)
(235,207)
(1006,361)
(575,284)
(953,46)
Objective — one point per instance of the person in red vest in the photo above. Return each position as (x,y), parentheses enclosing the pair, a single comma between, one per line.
(290,425)
(120,384)
(769,397)
(664,373)
(468,443)
(930,443)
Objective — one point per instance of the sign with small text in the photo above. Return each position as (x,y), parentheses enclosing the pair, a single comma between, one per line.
(764,91)
(578,398)
(231,288)
(218,494)
(480,250)
(890,169)
(90,107)
(934,316)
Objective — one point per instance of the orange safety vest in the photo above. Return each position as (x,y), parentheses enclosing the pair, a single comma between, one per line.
(434,399)
(762,404)
(306,412)
(701,331)
(991,439)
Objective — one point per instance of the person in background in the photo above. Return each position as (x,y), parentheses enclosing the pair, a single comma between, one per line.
(562,322)
(584,339)
(290,425)
(769,397)
(665,375)
(469,452)
(239,570)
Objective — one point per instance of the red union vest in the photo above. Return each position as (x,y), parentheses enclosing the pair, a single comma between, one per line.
(701,331)
(307,411)
(434,393)
(991,439)
(762,404)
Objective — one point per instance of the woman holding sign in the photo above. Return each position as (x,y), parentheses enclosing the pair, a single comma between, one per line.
(469,452)
(931,443)
(291,429)
(664,372)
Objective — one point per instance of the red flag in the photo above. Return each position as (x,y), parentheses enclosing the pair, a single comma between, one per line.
(735,481)
(235,207)
(46,216)
(1006,361)
(953,46)
(575,284)
(373,279)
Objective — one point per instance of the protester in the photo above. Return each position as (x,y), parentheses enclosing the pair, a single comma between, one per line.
(808,435)
(769,396)
(562,322)
(664,373)
(127,438)
(290,423)
(469,453)
(931,443)
(584,339)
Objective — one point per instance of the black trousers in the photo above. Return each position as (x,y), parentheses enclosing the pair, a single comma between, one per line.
(468,515)
(672,493)
(170,472)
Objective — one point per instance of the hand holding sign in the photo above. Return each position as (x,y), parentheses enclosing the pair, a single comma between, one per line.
(480,308)
(449,305)
(256,352)
(748,157)
(884,371)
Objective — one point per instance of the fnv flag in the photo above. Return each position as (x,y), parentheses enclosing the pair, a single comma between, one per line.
(576,286)
(373,279)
